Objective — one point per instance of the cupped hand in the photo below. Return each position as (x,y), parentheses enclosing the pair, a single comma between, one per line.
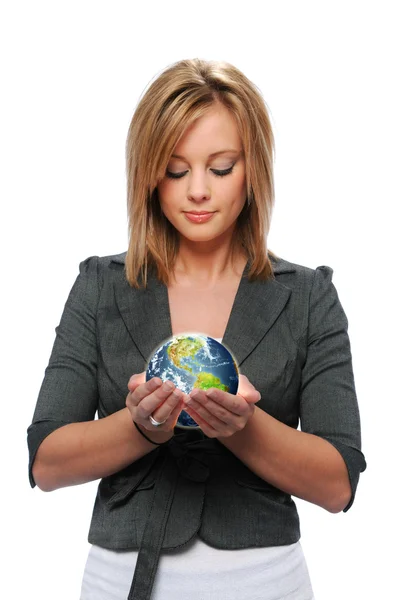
(220,414)
(161,400)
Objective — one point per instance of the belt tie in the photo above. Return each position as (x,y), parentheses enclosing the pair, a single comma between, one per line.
(182,457)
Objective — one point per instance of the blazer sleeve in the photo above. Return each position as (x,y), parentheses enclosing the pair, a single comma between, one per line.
(328,401)
(69,391)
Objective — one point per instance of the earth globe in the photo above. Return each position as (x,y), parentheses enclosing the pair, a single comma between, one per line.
(194,360)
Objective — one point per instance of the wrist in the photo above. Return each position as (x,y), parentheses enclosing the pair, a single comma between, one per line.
(157,436)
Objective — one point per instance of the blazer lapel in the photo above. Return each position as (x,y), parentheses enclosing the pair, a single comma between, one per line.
(257,305)
(145,312)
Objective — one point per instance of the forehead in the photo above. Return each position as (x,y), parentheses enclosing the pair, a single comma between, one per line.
(214,131)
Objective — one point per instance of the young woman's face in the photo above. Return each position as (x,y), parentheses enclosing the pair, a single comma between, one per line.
(198,180)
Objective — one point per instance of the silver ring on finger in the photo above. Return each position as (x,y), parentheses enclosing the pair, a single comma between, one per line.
(155,422)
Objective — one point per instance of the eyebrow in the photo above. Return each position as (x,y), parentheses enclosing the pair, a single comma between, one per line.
(211,155)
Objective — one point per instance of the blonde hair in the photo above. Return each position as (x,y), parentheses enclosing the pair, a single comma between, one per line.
(182,93)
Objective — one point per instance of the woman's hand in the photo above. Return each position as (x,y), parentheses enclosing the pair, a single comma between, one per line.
(220,414)
(161,400)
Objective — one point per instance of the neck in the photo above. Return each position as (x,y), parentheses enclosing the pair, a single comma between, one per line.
(208,266)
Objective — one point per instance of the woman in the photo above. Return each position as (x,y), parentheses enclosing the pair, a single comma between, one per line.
(205,513)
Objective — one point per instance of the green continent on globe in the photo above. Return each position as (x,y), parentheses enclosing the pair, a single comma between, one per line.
(183,347)
(204,381)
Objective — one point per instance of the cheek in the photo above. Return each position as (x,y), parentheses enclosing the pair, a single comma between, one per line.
(166,196)
(163,190)
(237,191)
(239,183)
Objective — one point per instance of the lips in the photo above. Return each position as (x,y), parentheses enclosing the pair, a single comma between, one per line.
(199,217)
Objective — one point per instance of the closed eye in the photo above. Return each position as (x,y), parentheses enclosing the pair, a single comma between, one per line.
(216,172)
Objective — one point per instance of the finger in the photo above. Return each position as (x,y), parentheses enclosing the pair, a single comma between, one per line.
(232,403)
(244,379)
(212,426)
(141,375)
(251,396)
(133,384)
(215,416)
(203,424)
(215,413)
(245,382)
(247,390)
(145,389)
(167,419)
(164,399)
(137,377)
(176,413)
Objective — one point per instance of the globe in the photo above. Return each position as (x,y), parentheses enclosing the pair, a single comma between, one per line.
(193,360)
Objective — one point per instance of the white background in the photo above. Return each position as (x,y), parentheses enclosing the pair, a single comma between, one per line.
(71,75)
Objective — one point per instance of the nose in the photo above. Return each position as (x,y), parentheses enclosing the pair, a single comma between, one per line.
(198,189)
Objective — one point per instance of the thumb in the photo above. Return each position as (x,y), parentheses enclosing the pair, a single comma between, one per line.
(136,380)
(247,390)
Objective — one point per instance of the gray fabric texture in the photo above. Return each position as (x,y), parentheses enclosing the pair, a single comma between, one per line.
(289,336)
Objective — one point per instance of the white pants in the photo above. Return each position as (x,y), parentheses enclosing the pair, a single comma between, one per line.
(199,572)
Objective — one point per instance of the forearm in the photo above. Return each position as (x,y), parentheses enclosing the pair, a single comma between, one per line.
(81,452)
(298,463)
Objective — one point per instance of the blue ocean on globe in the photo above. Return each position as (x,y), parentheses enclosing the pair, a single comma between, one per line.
(194,360)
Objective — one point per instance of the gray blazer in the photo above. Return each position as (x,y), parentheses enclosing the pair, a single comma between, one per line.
(288,336)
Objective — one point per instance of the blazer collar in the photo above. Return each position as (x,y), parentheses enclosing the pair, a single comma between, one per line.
(257,304)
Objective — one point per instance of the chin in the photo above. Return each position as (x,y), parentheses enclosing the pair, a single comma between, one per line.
(203,236)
